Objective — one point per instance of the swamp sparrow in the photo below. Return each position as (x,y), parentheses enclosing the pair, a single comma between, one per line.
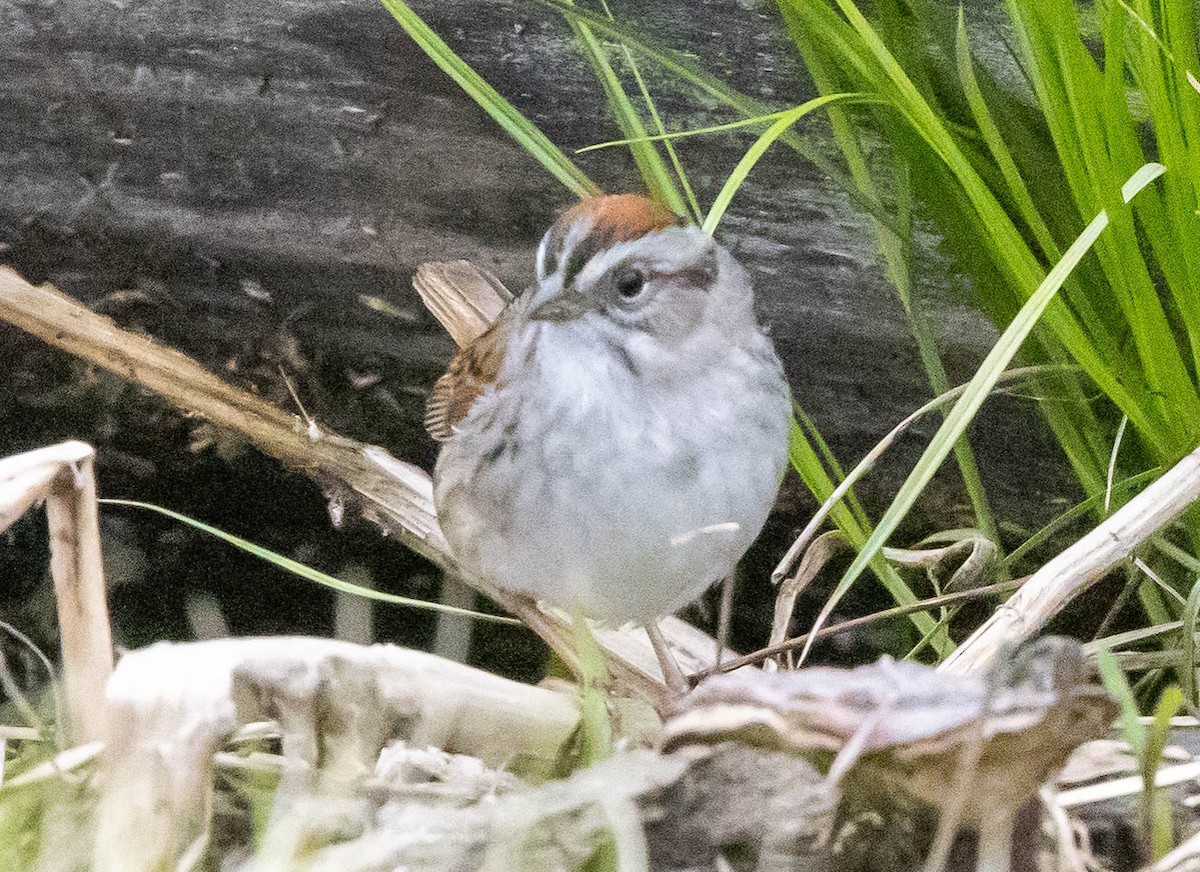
(616,439)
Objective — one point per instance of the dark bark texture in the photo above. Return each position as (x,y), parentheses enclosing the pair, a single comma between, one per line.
(256,182)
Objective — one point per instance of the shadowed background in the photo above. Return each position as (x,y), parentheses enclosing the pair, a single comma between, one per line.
(255,184)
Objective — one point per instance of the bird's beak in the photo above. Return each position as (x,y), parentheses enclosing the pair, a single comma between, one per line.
(552,302)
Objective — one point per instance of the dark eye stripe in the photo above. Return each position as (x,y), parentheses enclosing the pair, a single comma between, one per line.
(599,238)
(575,263)
(549,263)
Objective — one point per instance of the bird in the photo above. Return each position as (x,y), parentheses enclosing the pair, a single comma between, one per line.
(615,441)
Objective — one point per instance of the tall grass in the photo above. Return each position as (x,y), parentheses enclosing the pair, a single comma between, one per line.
(1009,182)
(1008,177)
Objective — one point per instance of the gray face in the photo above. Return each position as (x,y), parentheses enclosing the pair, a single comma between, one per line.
(659,284)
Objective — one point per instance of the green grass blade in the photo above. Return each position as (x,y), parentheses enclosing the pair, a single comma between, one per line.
(850,519)
(1077,512)
(806,460)
(1187,675)
(1156,807)
(684,185)
(659,182)
(1118,687)
(516,125)
(1131,637)
(830,460)
(307,572)
(595,726)
(980,385)
(1112,464)
(753,121)
(1170,549)
(998,149)
(717,211)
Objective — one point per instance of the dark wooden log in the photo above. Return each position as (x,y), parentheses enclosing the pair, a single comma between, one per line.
(256,182)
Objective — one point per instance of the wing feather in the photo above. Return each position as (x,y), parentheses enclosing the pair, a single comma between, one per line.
(471,370)
(465,298)
(475,309)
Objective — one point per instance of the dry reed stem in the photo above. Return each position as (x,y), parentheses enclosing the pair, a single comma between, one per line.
(1131,785)
(824,548)
(62,475)
(62,763)
(1083,563)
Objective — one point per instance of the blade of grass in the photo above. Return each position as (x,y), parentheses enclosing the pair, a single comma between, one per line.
(996,146)
(516,125)
(1190,563)
(1130,637)
(1112,464)
(595,727)
(684,185)
(777,129)
(307,572)
(1156,807)
(852,522)
(1116,684)
(658,179)
(753,121)
(1076,512)
(804,458)
(1187,675)
(831,463)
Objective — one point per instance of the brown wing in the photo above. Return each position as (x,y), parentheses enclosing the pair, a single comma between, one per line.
(471,304)
(472,368)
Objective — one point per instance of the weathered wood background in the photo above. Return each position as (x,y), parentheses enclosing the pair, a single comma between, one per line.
(255,183)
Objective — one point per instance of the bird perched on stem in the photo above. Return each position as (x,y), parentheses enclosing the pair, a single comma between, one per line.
(614,442)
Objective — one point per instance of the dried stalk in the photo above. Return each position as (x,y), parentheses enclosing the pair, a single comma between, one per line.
(1079,566)
(62,476)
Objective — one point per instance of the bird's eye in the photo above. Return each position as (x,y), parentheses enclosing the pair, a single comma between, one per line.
(629,282)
